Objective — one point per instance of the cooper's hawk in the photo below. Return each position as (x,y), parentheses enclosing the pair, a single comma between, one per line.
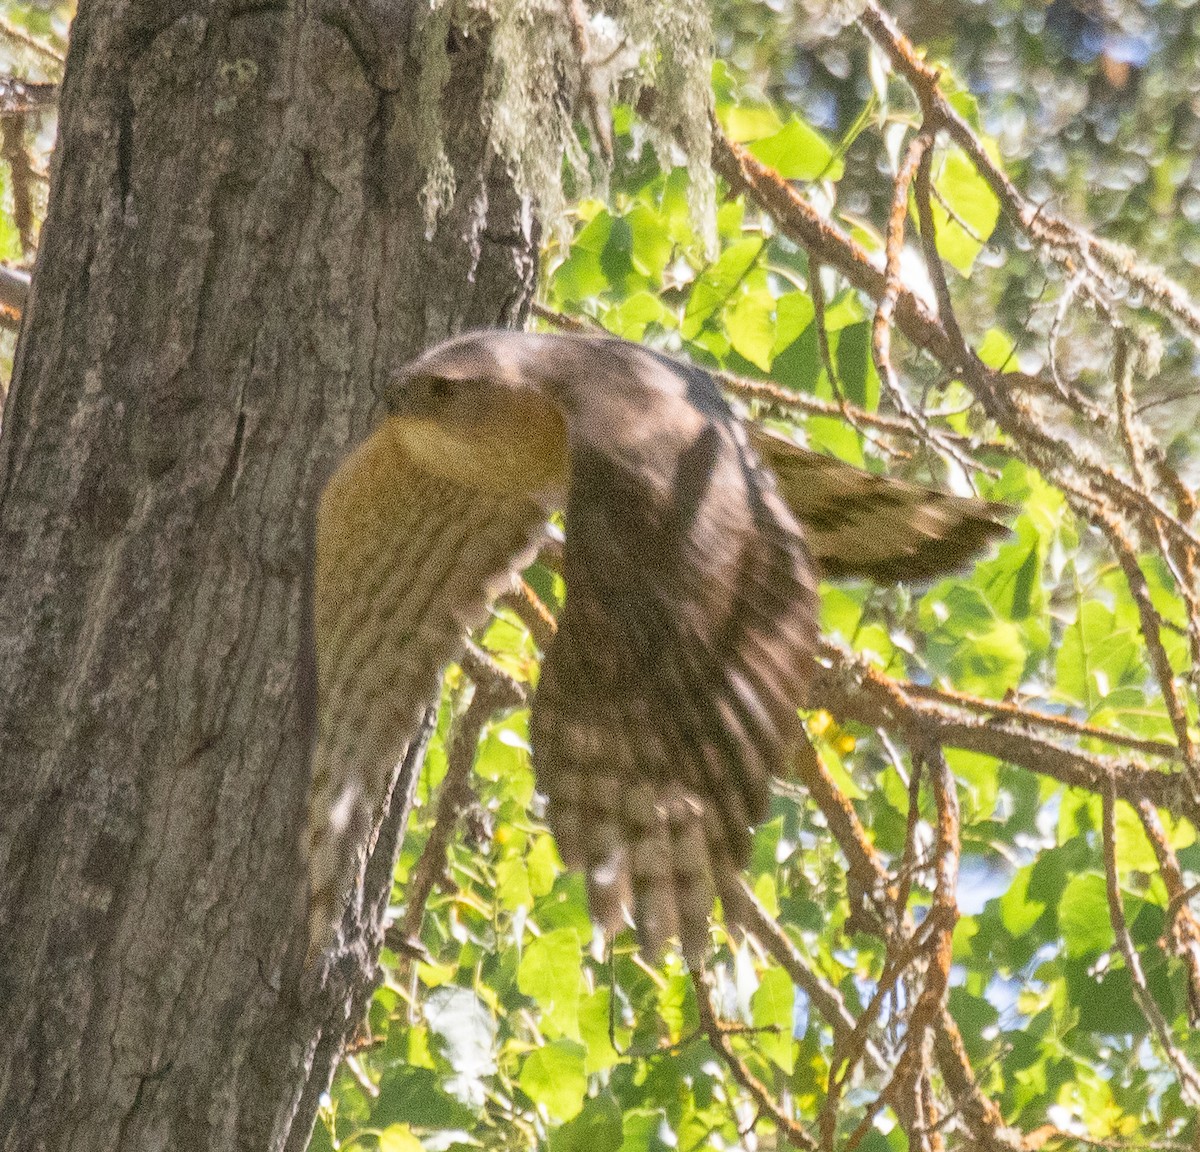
(669,696)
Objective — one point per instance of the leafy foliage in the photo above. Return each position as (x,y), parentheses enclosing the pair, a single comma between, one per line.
(1072,966)
(509,1025)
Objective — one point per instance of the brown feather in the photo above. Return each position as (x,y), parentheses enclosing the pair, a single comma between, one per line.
(859,524)
(668,699)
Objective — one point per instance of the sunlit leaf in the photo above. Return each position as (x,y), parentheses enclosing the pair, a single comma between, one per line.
(1083,916)
(717,283)
(550,973)
(399,1138)
(797,152)
(965,211)
(772,1006)
(553,1077)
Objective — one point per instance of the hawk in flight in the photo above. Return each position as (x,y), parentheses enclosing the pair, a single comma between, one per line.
(669,696)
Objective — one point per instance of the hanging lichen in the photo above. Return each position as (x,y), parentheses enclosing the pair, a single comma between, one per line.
(677,68)
(554,64)
(438,192)
(533,89)
(827,17)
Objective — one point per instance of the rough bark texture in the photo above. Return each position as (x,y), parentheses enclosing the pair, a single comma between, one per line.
(234,258)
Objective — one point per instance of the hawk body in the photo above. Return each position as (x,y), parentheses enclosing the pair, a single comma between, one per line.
(669,697)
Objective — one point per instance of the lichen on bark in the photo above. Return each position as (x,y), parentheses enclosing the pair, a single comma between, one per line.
(548,60)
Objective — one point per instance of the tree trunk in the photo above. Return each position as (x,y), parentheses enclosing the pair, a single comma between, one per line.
(233,259)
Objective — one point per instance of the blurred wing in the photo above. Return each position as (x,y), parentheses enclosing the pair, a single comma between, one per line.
(405,565)
(888,530)
(669,696)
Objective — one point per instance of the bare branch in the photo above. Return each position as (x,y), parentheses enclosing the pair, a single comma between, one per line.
(757,1090)
(851,688)
(1077,246)
(1183,928)
(1189,1078)
(824,996)
(494,690)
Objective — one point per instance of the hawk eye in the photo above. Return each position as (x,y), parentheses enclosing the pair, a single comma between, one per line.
(440,389)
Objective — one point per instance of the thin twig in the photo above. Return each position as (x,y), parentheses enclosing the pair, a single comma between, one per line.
(760,1093)
(494,690)
(824,996)
(533,613)
(999,392)
(1183,928)
(1043,226)
(1037,719)
(851,688)
(1189,1078)
(19,36)
(881,327)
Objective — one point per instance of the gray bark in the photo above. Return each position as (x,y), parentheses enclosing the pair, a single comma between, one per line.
(234,258)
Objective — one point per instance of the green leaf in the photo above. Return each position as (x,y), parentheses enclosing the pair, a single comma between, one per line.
(550,973)
(794,312)
(677,1005)
(798,152)
(582,275)
(1079,812)
(982,652)
(992,661)
(964,212)
(553,1077)
(1096,655)
(544,865)
(633,316)
(841,612)
(745,122)
(416,1096)
(1012,579)
(503,759)
(1134,850)
(717,283)
(1083,916)
(565,906)
(644,1130)
(598,1128)
(979,773)
(771,1007)
(594,1024)
(1105,1003)
(997,350)
(856,366)
(512,884)
(320,1140)
(650,243)
(750,324)
(399,1138)
(1019,911)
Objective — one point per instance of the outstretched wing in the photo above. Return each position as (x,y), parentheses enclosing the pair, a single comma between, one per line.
(669,696)
(857,524)
(406,562)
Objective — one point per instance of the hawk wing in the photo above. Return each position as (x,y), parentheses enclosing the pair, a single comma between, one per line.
(668,698)
(859,524)
(406,562)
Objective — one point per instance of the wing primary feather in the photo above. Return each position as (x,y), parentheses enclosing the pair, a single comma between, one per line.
(862,525)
